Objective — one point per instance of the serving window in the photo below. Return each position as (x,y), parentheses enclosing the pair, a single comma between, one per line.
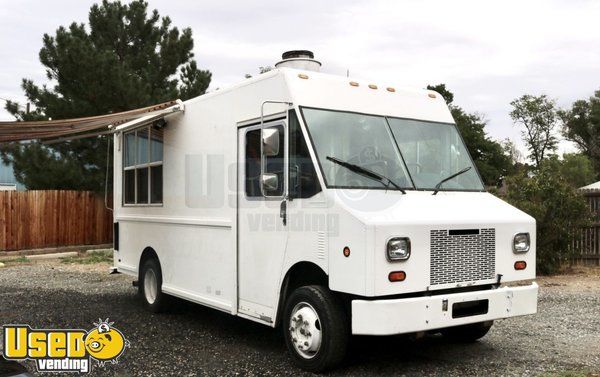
(143,166)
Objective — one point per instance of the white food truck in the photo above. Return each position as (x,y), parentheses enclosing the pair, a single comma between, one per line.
(321,204)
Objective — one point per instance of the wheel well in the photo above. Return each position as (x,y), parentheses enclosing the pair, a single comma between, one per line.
(300,274)
(148,253)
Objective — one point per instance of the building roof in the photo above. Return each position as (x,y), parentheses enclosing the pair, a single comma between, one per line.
(591,187)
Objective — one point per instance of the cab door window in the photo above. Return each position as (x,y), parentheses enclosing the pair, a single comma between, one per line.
(265,162)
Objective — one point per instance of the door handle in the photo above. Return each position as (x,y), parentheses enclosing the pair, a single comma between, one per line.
(283,211)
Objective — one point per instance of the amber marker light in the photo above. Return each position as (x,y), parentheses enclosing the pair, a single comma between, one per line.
(353,83)
(397,276)
(346,251)
(431,95)
(390,89)
(520,265)
(303,76)
(372,86)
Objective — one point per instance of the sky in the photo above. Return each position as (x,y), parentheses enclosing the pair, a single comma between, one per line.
(486,52)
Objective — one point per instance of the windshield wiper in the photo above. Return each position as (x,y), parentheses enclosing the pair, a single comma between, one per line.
(366,173)
(437,187)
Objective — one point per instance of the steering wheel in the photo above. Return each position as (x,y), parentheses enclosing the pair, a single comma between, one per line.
(370,158)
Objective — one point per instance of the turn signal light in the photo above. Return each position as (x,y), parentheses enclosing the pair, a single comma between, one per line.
(520,265)
(397,276)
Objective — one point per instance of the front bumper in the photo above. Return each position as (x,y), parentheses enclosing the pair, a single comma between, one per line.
(400,316)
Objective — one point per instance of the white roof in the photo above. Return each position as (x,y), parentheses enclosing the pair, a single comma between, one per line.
(591,187)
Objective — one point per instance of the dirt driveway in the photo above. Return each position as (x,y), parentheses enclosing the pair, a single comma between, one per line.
(562,339)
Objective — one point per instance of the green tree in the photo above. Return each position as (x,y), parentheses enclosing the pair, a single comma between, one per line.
(489,156)
(557,207)
(123,59)
(539,116)
(581,125)
(577,169)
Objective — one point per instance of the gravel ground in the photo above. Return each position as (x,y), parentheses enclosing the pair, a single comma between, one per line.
(192,340)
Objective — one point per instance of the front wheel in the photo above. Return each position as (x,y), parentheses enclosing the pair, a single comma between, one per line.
(315,328)
(467,333)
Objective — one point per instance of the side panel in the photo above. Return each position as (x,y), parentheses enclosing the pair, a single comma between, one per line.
(194,230)
(195,259)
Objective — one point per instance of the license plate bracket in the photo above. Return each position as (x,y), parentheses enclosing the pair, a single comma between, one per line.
(470,308)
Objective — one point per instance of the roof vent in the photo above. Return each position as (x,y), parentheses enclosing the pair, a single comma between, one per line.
(299,59)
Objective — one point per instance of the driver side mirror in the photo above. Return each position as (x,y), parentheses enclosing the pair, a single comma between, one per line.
(270,140)
(270,182)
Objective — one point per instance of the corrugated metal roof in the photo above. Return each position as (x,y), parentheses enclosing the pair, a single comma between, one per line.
(56,129)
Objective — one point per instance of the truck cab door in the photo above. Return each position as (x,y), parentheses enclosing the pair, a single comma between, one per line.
(262,216)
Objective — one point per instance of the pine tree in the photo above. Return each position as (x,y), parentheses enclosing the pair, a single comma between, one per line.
(125,58)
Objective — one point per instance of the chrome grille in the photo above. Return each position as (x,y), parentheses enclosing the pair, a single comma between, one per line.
(462,255)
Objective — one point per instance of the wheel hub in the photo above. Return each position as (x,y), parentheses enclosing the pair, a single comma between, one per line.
(305,330)
(150,286)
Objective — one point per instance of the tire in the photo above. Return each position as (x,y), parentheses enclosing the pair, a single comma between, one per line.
(467,333)
(316,328)
(149,286)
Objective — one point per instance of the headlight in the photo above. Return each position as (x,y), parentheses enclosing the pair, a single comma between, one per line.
(521,243)
(398,249)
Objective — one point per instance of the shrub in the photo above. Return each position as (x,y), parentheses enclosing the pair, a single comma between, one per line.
(556,205)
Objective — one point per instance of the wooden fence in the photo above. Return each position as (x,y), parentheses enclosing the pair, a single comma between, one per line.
(587,240)
(42,219)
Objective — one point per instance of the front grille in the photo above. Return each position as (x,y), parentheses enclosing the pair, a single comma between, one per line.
(462,256)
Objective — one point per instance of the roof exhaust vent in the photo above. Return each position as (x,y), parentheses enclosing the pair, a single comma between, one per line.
(299,59)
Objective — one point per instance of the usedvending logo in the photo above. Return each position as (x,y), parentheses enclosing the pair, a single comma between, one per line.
(55,350)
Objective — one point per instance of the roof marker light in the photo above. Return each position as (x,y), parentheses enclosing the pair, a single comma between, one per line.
(372,86)
(431,95)
(390,89)
(353,83)
(303,76)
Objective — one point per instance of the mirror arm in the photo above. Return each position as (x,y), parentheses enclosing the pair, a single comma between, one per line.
(262,109)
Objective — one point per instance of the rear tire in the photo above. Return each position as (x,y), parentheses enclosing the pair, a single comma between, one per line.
(467,333)
(150,286)
(315,328)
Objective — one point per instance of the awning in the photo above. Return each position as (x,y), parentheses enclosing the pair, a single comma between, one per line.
(69,129)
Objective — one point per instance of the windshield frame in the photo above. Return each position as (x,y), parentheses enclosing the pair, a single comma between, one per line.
(395,143)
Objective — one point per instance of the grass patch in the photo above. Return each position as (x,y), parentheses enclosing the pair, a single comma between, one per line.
(8,261)
(89,258)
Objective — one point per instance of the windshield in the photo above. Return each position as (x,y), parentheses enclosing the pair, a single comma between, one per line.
(363,140)
(411,153)
(433,152)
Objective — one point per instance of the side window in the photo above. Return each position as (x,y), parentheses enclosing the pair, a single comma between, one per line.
(253,164)
(270,157)
(273,160)
(303,181)
(142,166)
